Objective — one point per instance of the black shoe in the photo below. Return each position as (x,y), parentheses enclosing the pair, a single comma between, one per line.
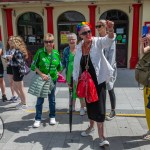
(4,98)
(111,116)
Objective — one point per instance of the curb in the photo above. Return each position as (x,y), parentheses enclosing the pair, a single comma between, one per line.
(77,113)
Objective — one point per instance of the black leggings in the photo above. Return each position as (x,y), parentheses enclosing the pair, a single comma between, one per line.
(112,98)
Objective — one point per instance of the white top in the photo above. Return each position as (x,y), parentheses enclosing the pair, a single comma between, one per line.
(103,69)
(110,54)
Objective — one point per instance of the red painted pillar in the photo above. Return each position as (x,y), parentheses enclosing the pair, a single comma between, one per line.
(135,36)
(49,19)
(92,9)
(8,12)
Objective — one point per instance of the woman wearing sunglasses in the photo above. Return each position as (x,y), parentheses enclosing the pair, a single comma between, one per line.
(110,54)
(46,62)
(91,48)
(67,62)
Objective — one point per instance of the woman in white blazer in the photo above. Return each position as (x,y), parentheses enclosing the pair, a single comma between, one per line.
(99,69)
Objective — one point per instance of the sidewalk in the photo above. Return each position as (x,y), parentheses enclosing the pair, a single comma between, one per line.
(124,133)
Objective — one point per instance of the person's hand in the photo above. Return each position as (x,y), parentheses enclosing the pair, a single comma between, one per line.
(110,26)
(44,77)
(143,40)
(148,37)
(69,85)
(9,57)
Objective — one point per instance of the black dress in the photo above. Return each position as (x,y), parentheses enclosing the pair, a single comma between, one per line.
(96,111)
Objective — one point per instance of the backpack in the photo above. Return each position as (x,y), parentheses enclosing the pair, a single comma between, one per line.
(142,70)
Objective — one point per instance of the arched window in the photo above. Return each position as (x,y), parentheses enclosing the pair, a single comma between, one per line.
(121,29)
(114,15)
(30,27)
(66,24)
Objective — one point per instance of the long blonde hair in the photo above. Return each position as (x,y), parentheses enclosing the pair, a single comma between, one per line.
(20,45)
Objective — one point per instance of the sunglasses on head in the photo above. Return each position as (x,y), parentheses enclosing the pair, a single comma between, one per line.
(98,26)
(86,32)
(51,41)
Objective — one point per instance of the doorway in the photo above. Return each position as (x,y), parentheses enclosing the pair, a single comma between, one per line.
(121,25)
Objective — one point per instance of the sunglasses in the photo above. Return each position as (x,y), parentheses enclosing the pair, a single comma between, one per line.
(98,26)
(46,42)
(86,32)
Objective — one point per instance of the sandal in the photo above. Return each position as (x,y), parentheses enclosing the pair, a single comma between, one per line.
(146,136)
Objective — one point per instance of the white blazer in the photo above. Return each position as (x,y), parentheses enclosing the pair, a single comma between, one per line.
(103,69)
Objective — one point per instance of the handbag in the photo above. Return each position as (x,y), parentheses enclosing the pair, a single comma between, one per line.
(61,78)
(40,87)
(24,69)
(86,87)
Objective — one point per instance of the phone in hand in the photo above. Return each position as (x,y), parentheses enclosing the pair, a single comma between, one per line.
(144,31)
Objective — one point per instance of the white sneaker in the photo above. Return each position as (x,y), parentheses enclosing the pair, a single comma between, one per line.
(21,106)
(36,124)
(52,121)
(87,132)
(103,142)
(82,112)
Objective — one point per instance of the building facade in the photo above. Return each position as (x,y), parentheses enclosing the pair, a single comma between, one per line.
(31,19)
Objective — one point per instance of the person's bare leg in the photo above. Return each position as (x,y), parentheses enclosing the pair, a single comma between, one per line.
(82,103)
(11,83)
(100,126)
(2,85)
(19,87)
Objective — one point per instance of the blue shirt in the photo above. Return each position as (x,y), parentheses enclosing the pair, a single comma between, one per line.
(65,59)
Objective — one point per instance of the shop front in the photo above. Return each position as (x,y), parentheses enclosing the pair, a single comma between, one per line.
(32,21)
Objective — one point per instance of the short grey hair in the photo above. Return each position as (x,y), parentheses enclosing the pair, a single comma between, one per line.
(70,35)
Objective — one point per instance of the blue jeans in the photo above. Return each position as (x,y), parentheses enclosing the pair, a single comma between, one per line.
(40,101)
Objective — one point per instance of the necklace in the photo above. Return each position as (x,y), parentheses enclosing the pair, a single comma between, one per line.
(86,48)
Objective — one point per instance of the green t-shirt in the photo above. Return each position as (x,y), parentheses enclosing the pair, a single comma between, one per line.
(70,68)
(42,60)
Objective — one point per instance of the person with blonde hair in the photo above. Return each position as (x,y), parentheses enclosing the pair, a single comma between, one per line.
(67,62)
(17,61)
(110,54)
(10,51)
(46,63)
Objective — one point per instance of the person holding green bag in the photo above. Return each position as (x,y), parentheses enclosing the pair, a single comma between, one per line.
(46,62)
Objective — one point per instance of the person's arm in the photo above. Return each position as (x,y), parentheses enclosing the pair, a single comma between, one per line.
(1,49)
(110,29)
(144,41)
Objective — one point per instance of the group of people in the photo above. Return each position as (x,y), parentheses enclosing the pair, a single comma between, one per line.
(47,63)
(15,56)
(102,68)
(100,54)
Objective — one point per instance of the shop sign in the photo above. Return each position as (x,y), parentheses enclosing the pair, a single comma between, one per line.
(63,37)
